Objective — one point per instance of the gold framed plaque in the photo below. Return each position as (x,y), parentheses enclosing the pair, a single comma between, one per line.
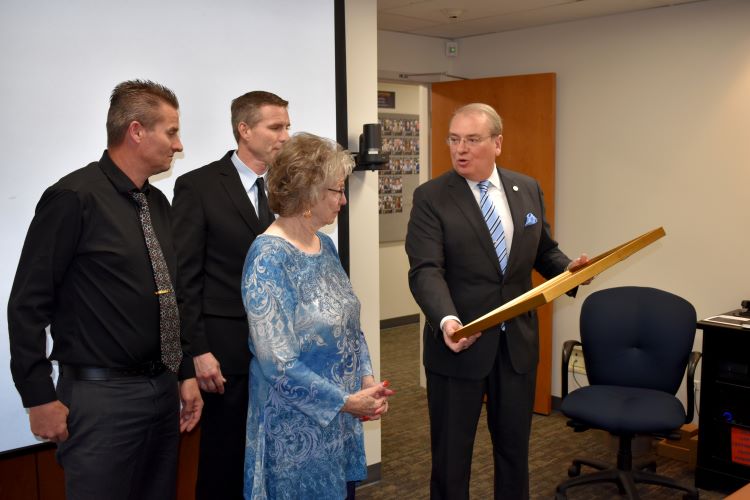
(559,285)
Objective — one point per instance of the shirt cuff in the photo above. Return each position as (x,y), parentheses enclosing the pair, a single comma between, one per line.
(442,321)
(36,392)
(187,368)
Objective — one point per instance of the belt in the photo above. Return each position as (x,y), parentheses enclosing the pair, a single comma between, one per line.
(79,372)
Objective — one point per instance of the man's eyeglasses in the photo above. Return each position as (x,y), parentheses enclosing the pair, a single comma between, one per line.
(341,192)
(471,141)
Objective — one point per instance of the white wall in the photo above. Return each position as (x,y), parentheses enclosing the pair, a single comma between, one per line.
(401,53)
(395,298)
(57,94)
(60,61)
(361,71)
(653,127)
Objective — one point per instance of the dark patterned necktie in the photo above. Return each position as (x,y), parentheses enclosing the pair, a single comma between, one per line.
(169,318)
(265,216)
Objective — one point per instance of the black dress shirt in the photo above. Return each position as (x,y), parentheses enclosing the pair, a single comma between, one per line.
(85,272)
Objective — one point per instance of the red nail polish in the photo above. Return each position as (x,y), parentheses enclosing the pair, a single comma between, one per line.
(386,383)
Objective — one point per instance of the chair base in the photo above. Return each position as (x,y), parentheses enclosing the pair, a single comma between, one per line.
(625,475)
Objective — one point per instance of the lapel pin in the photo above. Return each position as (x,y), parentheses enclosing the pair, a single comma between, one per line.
(515,188)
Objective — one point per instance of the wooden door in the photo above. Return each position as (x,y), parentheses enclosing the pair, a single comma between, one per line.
(527,105)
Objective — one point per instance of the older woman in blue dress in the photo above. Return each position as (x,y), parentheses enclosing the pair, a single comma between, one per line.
(311,380)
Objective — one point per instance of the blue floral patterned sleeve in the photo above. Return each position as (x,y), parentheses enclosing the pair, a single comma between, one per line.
(309,355)
(364,356)
(271,305)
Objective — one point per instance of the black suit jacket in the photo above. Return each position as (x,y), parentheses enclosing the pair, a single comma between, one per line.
(214,224)
(454,270)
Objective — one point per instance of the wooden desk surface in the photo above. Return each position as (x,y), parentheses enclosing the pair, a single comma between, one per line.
(741,494)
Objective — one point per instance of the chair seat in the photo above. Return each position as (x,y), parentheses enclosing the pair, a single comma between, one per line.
(624,410)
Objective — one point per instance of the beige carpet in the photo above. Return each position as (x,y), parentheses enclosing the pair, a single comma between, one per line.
(406,447)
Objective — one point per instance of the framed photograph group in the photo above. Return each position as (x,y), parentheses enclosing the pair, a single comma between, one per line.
(396,182)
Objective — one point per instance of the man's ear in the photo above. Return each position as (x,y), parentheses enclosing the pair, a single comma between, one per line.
(243,129)
(498,144)
(136,131)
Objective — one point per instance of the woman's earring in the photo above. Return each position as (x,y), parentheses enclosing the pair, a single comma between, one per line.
(307,214)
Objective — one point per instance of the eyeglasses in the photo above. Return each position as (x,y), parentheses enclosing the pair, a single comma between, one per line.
(341,192)
(471,141)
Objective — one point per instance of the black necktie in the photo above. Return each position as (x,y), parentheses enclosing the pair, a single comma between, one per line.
(169,317)
(265,216)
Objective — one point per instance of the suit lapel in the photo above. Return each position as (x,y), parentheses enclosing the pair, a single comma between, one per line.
(516,211)
(464,199)
(230,180)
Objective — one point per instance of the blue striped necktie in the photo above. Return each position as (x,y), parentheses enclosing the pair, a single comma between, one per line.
(492,218)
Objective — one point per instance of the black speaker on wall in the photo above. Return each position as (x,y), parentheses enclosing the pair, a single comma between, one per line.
(370,156)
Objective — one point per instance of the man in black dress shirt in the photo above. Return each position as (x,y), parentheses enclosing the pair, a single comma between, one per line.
(85,271)
(219,209)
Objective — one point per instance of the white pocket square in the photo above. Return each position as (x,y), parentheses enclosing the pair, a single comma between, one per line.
(530,220)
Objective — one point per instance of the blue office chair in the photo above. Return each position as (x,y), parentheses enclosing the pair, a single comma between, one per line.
(636,346)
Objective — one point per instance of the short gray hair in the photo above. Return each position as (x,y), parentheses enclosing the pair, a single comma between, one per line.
(496,123)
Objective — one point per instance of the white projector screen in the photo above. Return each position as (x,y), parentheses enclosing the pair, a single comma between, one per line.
(61,59)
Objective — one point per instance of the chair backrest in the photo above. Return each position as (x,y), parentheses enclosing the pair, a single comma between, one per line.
(637,337)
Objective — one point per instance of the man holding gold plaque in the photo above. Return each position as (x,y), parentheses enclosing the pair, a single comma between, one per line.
(474,236)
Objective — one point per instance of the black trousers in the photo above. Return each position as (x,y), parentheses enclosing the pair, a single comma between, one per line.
(123,438)
(455,405)
(221,459)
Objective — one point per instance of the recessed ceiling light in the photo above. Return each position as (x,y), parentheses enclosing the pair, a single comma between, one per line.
(452,13)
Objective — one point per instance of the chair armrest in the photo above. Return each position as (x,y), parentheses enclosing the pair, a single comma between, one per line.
(567,352)
(695,358)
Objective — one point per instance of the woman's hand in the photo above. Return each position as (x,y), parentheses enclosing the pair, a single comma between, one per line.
(371,401)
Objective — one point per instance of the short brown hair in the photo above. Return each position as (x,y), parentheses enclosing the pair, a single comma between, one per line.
(135,100)
(302,170)
(246,108)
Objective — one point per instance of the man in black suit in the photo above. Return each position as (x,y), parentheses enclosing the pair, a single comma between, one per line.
(218,210)
(457,273)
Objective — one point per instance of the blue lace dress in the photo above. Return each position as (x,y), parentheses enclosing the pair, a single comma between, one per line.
(309,354)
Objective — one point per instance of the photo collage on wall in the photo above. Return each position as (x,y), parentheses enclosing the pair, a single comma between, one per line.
(401,141)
